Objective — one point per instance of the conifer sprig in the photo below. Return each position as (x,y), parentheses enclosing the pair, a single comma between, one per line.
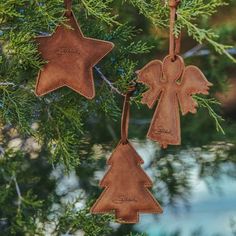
(190,14)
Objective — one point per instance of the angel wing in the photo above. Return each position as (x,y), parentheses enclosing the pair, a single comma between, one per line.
(193,82)
(151,76)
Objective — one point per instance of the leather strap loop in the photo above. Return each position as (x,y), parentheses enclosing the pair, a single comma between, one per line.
(174,42)
(125,116)
(68,6)
(178,44)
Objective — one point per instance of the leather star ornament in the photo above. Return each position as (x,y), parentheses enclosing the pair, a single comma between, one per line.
(70,59)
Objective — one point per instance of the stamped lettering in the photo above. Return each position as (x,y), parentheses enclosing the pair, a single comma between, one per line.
(161,130)
(68,51)
(124,199)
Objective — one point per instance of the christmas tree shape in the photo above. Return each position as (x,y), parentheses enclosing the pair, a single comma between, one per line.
(126,184)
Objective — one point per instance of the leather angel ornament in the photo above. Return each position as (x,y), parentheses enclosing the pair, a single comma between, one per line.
(126,185)
(172,85)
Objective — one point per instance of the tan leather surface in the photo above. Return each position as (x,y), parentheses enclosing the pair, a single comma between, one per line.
(126,185)
(70,57)
(172,84)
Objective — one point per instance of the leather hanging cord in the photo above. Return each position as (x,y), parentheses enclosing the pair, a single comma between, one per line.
(125,116)
(68,6)
(178,44)
(174,42)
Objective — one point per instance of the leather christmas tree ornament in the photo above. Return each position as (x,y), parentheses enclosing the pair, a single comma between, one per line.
(172,85)
(126,185)
(70,58)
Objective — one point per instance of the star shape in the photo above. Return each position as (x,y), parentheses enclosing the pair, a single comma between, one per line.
(70,59)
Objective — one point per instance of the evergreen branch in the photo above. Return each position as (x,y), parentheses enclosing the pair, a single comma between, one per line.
(202,34)
(19,47)
(153,11)
(17,109)
(101,10)
(135,48)
(207,103)
(59,118)
(193,9)
(188,12)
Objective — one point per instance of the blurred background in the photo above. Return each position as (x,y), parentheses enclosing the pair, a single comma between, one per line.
(195,182)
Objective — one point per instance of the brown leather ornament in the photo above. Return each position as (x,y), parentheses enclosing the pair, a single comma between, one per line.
(126,184)
(172,85)
(70,57)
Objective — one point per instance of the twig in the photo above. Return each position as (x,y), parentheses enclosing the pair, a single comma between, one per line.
(2,151)
(198,51)
(68,231)
(18,192)
(193,51)
(7,84)
(103,77)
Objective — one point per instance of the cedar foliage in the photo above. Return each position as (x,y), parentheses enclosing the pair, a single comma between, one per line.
(62,123)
